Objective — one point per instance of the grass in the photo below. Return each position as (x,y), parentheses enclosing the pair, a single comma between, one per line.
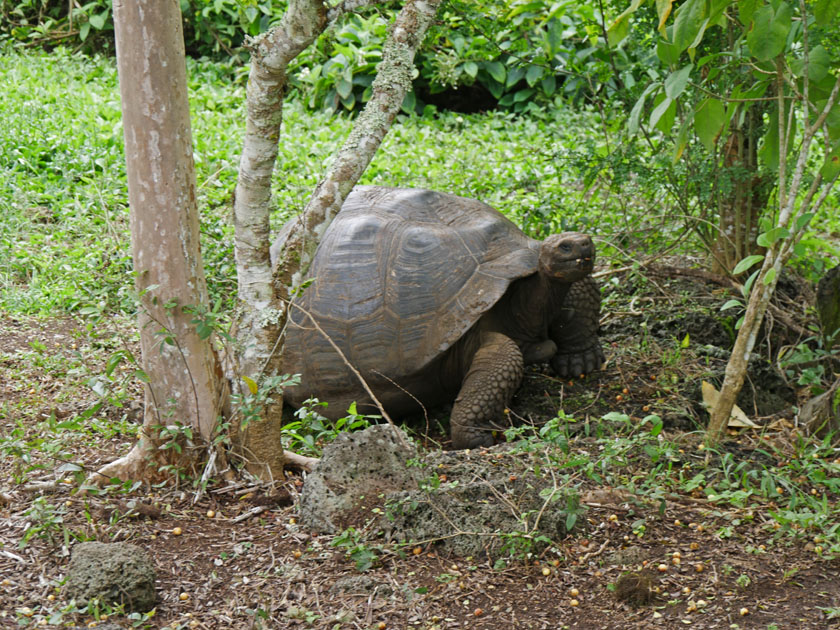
(64,242)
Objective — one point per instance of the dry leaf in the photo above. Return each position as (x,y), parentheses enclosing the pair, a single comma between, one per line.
(737,419)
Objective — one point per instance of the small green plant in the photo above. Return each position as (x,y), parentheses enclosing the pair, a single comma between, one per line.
(352,542)
(311,430)
(45,521)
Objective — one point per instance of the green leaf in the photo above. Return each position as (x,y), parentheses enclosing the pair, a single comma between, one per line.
(636,112)
(769,150)
(496,70)
(686,341)
(825,10)
(471,69)
(766,239)
(745,290)
(98,21)
(667,52)
(770,277)
(676,81)
(708,121)
(802,220)
(496,89)
(746,263)
(666,120)
(514,74)
(690,18)
(549,84)
(523,95)
(831,165)
(660,110)
(618,30)
(731,304)
(344,87)
(768,32)
(682,139)
(409,103)
(533,74)
(746,9)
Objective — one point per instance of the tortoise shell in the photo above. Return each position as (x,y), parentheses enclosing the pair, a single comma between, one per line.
(399,276)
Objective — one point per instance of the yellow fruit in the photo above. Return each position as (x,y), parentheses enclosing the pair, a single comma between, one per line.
(574,602)
(177,531)
(574,592)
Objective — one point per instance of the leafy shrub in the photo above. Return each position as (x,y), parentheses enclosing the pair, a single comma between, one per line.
(516,54)
(211,27)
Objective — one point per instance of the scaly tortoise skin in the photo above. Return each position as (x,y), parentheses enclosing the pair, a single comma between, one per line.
(435,298)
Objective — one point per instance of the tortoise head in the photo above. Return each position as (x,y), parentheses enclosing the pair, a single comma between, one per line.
(568,256)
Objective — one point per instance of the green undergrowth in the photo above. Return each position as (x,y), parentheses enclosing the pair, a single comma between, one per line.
(64,229)
(747,485)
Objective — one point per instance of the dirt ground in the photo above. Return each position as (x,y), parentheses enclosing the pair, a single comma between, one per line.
(241,560)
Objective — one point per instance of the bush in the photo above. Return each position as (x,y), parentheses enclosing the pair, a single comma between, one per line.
(519,55)
(211,27)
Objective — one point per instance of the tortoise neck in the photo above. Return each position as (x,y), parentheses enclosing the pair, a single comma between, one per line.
(536,301)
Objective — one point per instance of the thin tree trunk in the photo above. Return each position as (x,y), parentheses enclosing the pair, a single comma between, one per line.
(792,217)
(264,315)
(184,385)
(261,314)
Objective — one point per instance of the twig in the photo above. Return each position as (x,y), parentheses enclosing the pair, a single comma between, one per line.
(252,512)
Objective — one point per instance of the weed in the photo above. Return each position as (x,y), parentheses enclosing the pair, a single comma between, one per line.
(365,556)
(308,434)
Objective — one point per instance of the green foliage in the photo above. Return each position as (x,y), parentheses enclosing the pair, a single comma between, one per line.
(310,431)
(365,556)
(211,27)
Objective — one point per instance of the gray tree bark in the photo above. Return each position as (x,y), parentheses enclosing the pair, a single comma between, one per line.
(263,290)
(261,314)
(184,382)
(793,206)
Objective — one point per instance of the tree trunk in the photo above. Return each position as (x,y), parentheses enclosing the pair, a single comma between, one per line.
(263,314)
(794,211)
(183,394)
(743,195)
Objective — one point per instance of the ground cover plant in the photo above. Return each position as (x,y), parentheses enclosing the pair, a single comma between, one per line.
(663,535)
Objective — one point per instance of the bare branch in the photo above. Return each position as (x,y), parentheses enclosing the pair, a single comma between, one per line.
(393,81)
(348,6)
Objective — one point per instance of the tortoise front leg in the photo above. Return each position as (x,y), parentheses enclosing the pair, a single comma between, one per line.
(575,331)
(494,375)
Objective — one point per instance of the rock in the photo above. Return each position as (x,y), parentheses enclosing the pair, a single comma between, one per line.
(354,472)
(628,556)
(361,585)
(465,503)
(490,505)
(821,415)
(113,573)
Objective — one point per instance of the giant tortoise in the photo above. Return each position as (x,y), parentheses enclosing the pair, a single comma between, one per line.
(434,298)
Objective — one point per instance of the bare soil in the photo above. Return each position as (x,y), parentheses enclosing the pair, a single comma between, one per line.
(241,560)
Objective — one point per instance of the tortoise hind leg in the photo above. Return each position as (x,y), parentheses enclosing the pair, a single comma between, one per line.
(575,331)
(494,375)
